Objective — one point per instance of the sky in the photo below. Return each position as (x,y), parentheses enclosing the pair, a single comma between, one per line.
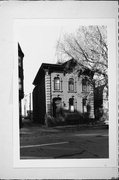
(38,40)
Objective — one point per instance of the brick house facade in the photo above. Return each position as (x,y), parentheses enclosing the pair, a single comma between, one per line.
(57,88)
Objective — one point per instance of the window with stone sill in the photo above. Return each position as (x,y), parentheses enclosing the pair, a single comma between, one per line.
(56,83)
(85,85)
(71,85)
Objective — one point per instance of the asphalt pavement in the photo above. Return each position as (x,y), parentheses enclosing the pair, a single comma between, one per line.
(64,142)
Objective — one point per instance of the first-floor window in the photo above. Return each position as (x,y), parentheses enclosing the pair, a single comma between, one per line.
(84,105)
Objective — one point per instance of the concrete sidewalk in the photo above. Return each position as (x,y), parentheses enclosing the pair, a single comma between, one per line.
(32,128)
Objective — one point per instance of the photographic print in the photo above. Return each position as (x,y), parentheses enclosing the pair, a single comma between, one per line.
(64,113)
(59,90)
(63,90)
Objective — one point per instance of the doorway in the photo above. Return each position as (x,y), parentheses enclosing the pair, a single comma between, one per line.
(71,104)
(56,105)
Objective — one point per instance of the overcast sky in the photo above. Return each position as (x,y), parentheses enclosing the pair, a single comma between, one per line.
(38,39)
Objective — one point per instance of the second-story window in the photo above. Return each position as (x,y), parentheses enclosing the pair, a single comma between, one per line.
(56,83)
(71,84)
(85,85)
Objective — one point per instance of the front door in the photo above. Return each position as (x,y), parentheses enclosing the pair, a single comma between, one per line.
(56,106)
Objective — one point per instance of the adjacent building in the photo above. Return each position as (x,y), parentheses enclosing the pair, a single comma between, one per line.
(21,81)
(59,86)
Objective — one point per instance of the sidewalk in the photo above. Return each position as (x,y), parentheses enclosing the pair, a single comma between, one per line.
(30,127)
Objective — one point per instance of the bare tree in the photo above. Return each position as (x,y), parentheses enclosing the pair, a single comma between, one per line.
(88,47)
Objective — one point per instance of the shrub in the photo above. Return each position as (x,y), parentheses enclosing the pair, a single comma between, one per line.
(105,116)
(49,120)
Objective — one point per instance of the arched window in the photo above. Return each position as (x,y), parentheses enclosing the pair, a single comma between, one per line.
(56,83)
(85,84)
(71,84)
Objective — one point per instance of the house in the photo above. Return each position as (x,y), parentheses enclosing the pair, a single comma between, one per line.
(59,86)
(21,82)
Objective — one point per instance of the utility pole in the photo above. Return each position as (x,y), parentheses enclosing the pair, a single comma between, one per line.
(25,105)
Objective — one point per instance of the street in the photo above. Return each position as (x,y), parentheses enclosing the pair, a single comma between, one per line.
(39,143)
